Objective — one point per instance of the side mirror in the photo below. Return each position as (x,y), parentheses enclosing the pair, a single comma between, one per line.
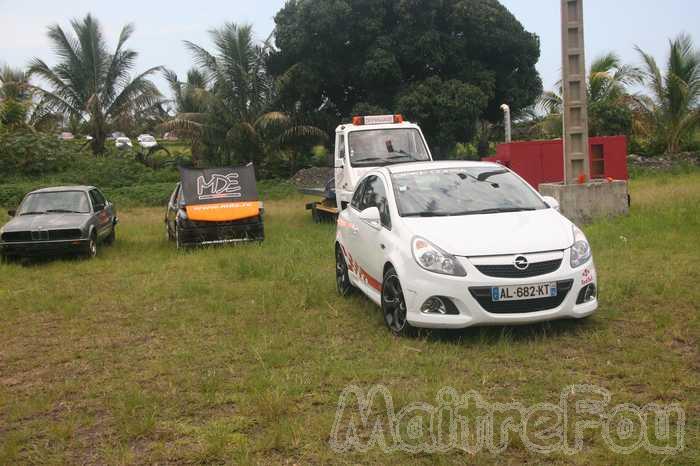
(11,213)
(551,202)
(371,217)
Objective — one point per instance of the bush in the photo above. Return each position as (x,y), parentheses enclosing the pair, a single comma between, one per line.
(24,152)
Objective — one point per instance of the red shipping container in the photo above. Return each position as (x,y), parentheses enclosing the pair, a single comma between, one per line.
(543,161)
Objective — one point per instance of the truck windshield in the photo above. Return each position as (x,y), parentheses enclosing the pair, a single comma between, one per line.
(55,202)
(378,147)
(462,191)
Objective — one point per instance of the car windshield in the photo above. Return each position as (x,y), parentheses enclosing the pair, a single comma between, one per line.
(462,191)
(377,147)
(55,202)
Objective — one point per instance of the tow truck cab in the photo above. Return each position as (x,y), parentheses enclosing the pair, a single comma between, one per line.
(373,141)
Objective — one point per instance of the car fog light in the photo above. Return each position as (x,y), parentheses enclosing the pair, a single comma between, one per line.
(587,294)
(434,305)
(591,293)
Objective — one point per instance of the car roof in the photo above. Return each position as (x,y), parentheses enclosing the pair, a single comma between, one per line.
(63,189)
(418,166)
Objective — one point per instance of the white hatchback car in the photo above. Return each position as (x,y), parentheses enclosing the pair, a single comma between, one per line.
(458,244)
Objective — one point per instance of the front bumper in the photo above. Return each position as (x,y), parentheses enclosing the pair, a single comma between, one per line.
(206,233)
(43,248)
(471,298)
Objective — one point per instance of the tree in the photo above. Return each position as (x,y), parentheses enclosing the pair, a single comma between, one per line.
(191,100)
(15,96)
(610,102)
(335,56)
(92,84)
(672,111)
(233,110)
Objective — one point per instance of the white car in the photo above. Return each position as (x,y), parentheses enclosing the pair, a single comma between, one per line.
(460,244)
(123,143)
(147,141)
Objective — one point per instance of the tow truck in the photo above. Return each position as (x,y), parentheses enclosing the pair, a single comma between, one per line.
(366,143)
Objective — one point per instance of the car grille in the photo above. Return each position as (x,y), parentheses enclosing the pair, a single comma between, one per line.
(510,271)
(58,235)
(41,235)
(483,297)
(16,236)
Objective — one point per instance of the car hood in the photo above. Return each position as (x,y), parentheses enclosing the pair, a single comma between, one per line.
(496,234)
(46,222)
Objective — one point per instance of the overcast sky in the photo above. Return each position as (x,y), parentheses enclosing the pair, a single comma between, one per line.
(161,26)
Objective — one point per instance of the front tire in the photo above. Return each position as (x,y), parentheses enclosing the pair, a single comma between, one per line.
(342,277)
(394,305)
(178,241)
(92,247)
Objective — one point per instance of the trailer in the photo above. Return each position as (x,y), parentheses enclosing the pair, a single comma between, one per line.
(366,143)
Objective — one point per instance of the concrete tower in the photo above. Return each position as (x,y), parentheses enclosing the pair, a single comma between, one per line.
(575,117)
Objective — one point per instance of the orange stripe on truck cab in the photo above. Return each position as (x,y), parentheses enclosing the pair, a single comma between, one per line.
(223,212)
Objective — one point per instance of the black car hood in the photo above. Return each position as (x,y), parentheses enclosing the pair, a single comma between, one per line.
(46,222)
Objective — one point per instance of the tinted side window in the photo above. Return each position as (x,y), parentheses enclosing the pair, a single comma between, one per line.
(174,195)
(357,197)
(374,195)
(99,197)
(96,204)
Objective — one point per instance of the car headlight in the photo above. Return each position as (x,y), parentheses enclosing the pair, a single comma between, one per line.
(581,250)
(434,259)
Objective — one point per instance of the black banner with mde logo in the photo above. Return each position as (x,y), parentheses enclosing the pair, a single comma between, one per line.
(218,185)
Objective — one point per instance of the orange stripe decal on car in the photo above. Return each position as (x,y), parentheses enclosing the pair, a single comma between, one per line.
(354,267)
(223,212)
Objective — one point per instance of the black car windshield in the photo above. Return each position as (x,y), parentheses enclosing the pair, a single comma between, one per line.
(377,147)
(55,202)
(462,191)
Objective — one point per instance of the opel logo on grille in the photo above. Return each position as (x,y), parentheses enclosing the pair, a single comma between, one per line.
(521,263)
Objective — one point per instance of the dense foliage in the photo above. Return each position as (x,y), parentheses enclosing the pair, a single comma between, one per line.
(411,55)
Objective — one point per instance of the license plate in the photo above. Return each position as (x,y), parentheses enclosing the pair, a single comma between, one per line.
(521,292)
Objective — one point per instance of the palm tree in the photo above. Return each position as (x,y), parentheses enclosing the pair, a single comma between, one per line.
(228,102)
(608,81)
(672,110)
(89,82)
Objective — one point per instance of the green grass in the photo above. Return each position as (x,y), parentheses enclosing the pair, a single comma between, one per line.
(239,354)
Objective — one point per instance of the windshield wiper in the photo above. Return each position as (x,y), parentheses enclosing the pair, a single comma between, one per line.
(499,210)
(63,211)
(427,214)
(403,154)
(32,213)
(367,159)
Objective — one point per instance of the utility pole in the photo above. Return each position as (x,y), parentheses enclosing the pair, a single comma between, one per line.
(575,111)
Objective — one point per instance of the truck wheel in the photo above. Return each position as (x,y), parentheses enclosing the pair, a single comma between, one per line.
(394,306)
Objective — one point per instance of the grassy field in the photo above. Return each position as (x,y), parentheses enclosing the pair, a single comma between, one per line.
(239,355)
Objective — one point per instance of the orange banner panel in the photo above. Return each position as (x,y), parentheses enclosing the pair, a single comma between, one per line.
(224,212)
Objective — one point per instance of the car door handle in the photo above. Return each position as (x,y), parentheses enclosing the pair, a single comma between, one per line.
(355,230)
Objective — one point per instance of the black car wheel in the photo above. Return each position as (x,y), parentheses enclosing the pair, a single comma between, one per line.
(92,247)
(342,277)
(178,243)
(109,240)
(394,305)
